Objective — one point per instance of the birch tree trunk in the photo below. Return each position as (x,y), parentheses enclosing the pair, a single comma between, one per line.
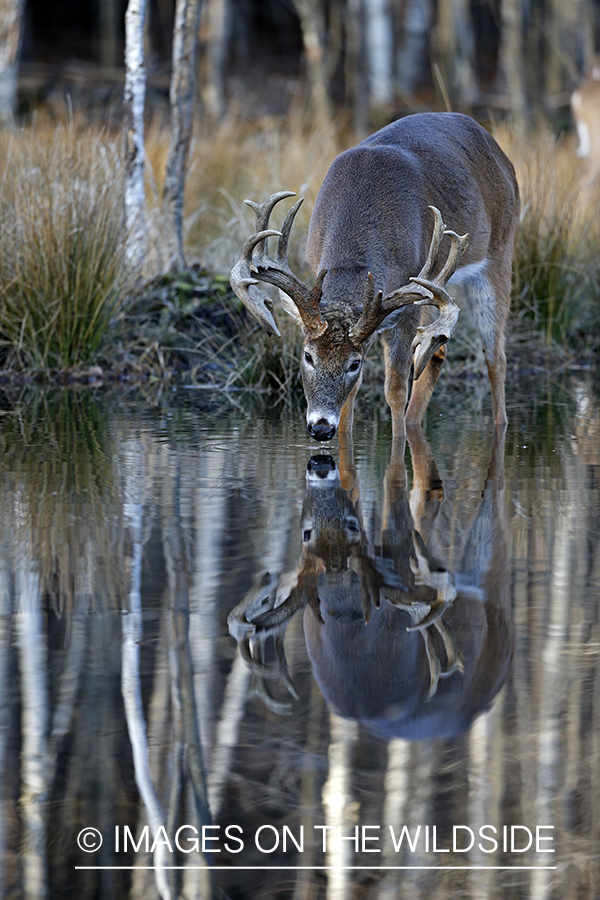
(187,738)
(135,95)
(453,46)
(182,98)
(31,643)
(312,23)
(355,74)
(218,14)
(380,51)
(511,60)
(11,16)
(412,57)
(132,636)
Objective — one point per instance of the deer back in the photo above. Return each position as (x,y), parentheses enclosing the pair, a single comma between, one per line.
(372,211)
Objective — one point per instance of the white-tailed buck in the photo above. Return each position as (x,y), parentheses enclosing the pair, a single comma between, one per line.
(374,246)
(585,109)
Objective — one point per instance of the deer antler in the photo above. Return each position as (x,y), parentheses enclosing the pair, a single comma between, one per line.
(429,338)
(264,614)
(422,290)
(256,265)
(428,572)
(428,614)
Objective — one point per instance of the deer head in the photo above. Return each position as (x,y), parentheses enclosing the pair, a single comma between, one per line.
(336,337)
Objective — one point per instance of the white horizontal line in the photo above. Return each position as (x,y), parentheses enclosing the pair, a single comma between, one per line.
(322,868)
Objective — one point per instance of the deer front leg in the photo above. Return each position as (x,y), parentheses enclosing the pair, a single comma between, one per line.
(496,365)
(347,415)
(422,389)
(397,368)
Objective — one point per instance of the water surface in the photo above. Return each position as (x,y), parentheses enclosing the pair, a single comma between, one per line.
(265,667)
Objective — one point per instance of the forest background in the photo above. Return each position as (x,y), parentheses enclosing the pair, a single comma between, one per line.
(132,132)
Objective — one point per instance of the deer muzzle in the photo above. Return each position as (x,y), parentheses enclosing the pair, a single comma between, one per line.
(321,429)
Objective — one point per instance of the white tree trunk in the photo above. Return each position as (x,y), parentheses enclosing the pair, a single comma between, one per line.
(453,44)
(182,97)
(217,17)
(31,643)
(312,23)
(135,95)
(11,15)
(412,59)
(132,636)
(511,60)
(379,51)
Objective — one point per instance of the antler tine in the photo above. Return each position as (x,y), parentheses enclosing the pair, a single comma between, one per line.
(433,661)
(262,672)
(283,667)
(258,688)
(256,265)
(263,213)
(439,230)
(431,337)
(371,316)
(263,210)
(376,309)
(457,248)
(282,243)
(455,660)
(253,241)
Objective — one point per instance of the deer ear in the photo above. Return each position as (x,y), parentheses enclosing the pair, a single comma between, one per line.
(291,309)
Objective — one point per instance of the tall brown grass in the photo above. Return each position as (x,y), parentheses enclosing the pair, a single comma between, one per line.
(63,269)
(556,262)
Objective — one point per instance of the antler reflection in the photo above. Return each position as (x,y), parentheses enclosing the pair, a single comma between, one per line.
(337,557)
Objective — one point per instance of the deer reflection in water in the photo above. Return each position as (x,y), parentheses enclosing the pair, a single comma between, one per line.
(396,640)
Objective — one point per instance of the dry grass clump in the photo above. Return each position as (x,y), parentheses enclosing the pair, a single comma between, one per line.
(62,246)
(556,261)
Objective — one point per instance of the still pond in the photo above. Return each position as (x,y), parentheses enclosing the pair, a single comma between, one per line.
(235,663)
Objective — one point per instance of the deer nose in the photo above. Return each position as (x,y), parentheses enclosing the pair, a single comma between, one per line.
(321,430)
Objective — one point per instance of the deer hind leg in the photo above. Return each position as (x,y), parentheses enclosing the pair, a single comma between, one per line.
(488,306)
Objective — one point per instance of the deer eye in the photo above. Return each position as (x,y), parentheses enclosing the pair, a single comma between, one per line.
(354,366)
(308,359)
